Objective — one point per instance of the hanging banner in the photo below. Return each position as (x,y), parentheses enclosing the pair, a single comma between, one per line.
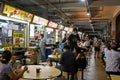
(19,39)
(17,13)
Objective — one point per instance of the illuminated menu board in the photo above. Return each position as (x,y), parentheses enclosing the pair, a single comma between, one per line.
(52,24)
(40,20)
(17,13)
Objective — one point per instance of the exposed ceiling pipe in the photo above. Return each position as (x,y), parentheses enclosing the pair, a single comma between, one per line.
(60,11)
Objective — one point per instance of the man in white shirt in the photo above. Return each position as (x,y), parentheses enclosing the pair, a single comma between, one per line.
(112,60)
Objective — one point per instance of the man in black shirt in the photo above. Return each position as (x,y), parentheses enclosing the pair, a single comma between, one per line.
(67,61)
(73,38)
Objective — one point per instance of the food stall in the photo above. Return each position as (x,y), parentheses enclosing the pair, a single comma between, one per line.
(51,36)
(36,28)
(51,33)
(14,27)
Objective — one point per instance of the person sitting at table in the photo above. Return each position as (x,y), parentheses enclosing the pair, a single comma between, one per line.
(67,62)
(6,72)
(32,56)
(13,63)
(36,57)
(113,60)
(56,52)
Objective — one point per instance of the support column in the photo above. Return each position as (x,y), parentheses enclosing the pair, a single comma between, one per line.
(113,28)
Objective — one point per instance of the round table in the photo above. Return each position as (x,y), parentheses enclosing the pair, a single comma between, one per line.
(46,72)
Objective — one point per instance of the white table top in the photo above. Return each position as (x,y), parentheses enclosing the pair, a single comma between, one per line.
(46,72)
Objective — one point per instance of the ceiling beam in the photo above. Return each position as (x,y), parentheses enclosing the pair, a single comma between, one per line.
(60,11)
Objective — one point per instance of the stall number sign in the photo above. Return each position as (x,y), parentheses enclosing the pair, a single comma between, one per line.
(8,47)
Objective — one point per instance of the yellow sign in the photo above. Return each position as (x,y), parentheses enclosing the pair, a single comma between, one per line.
(18,34)
(17,13)
(18,39)
(8,47)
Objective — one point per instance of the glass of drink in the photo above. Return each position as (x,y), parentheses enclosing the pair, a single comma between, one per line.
(38,70)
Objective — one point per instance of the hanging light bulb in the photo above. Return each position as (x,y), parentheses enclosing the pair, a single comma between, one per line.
(88,13)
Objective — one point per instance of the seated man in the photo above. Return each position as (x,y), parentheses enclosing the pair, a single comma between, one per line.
(113,60)
(6,72)
(67,62)
(32,56)
(19,52)
(56,53)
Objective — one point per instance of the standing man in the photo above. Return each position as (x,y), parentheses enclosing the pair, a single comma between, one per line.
(73,38)
(42,46)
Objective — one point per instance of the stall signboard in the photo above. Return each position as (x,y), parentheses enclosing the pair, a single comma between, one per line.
(18,39)
(17,13)
(52,24)
(40,20)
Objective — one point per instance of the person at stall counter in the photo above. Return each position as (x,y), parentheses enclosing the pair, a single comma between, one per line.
(6,72)
(42,46)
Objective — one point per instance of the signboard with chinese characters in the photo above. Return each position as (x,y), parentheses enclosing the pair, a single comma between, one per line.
(18,39)
(52,24)
(40,20)
(17,13)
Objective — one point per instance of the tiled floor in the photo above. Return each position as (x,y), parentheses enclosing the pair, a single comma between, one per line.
(94,71)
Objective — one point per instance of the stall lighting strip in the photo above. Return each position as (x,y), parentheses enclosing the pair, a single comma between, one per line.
(12,19)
